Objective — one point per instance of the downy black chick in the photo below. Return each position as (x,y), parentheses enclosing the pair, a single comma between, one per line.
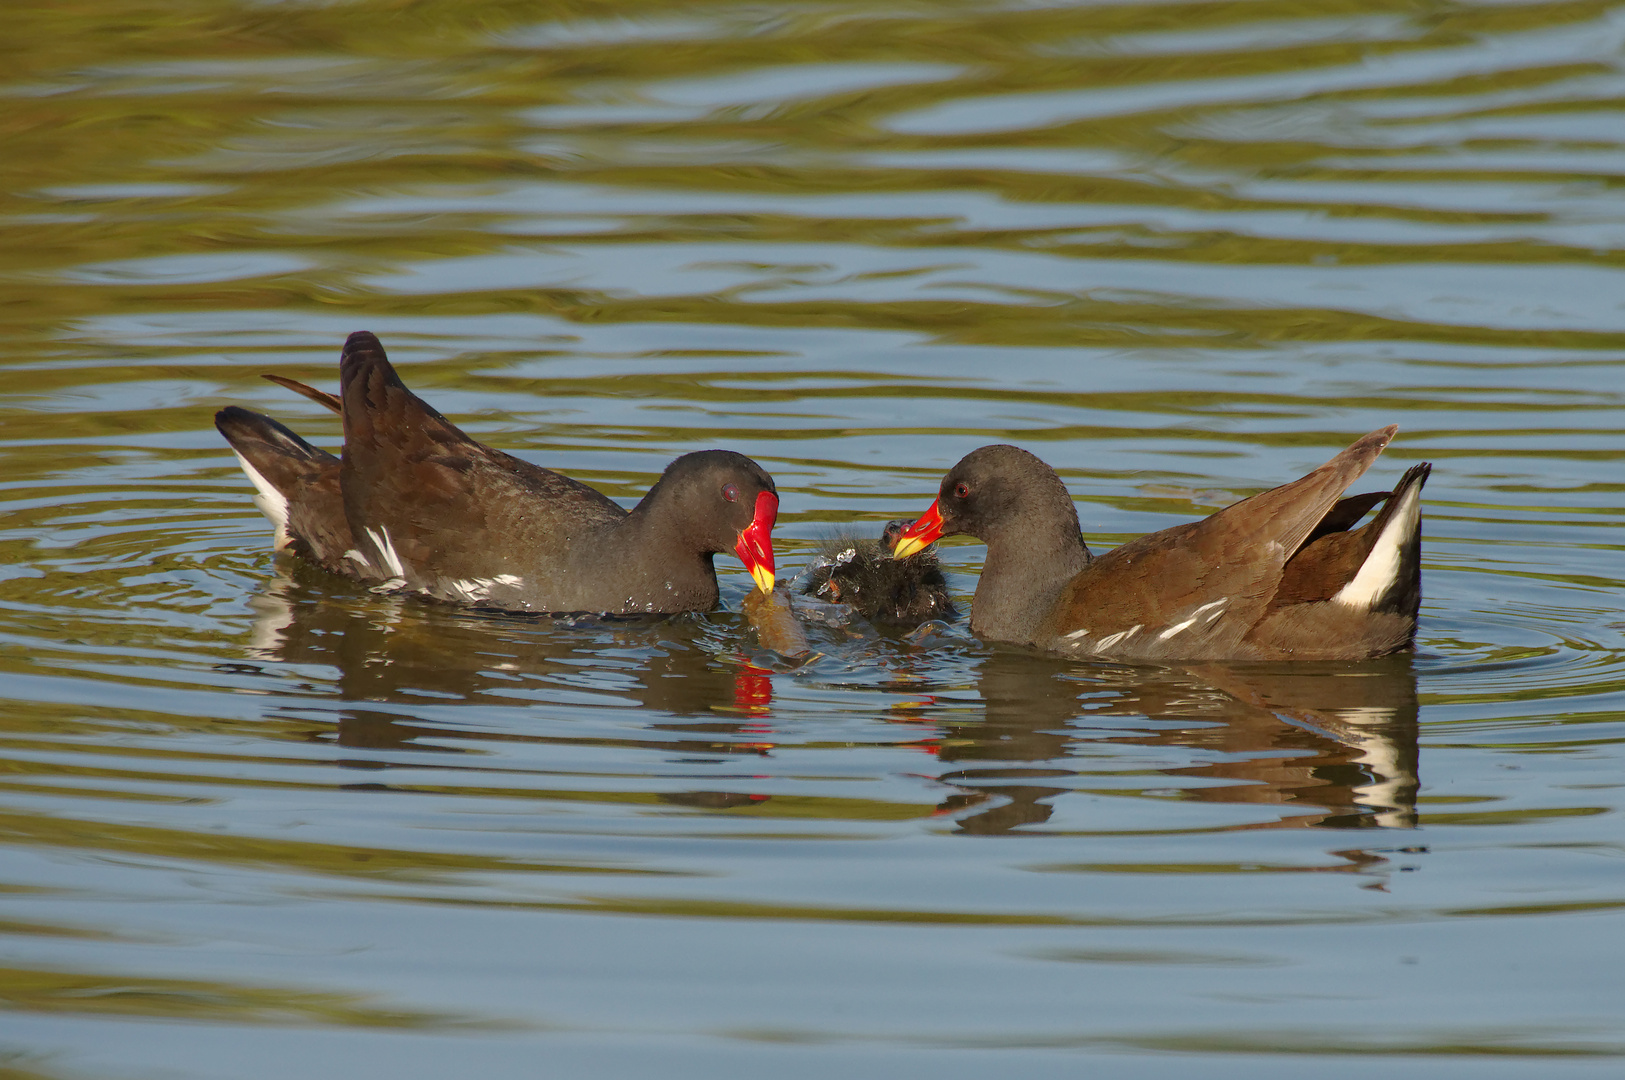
(862,573)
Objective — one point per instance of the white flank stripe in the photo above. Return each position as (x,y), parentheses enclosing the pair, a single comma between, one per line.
(476,589)
(1177,628)
(473,590)
(1075,635)
(271,502)
(358,557)
(1112,639)
(1381,568)
(386,551)
(1181,627)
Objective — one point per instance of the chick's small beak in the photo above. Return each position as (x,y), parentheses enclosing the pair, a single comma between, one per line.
(755,547)
(920,535)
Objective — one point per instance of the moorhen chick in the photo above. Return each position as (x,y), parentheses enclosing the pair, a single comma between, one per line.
(1283,575)
(863,573)
(415,504)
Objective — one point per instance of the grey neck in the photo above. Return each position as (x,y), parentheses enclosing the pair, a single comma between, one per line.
(1023,578)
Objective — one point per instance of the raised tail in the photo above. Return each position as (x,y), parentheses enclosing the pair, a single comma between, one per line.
(1390,576)
(296,486)
(1353,593)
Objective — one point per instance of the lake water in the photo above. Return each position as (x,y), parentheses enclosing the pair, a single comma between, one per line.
(260,823)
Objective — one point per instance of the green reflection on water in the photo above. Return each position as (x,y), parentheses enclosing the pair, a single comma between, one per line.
(32,990)
(208,130)
(287,855)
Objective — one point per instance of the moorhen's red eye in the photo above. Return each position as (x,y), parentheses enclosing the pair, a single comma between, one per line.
(961,490)
(731,493)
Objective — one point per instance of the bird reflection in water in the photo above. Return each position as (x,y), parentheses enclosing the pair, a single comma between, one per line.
(1335,743)
(1331,745)
(395,656)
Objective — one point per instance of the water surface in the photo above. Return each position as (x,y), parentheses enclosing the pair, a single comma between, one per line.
(256,820)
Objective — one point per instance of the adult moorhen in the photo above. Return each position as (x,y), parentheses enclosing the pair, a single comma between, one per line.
(1283,575)
(863,573)
(416,504)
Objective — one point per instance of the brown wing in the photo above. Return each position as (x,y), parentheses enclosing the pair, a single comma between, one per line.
(1195,589)
(1345,514)
(428,503)
(320,397)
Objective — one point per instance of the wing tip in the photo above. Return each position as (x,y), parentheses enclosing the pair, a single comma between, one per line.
(320,397)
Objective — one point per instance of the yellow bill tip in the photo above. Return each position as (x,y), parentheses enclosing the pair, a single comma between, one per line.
(908,546)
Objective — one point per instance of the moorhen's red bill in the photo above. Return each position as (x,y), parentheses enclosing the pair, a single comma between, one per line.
(415,504)
(1283,575)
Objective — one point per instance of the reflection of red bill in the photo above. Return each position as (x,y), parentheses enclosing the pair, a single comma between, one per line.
(753,690)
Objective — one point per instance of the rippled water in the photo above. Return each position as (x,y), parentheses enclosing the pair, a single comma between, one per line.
(257,821)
